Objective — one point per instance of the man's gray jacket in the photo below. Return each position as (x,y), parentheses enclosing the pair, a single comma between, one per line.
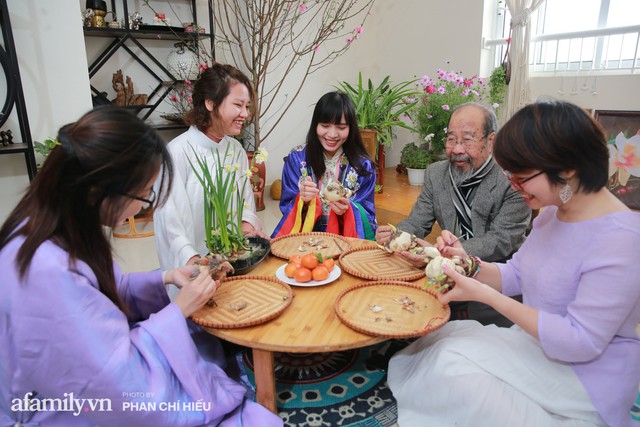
(499,215)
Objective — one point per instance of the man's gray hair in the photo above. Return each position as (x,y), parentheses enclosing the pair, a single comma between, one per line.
(490,119)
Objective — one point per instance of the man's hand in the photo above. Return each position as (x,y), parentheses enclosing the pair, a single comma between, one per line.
(383,234)
(416,260)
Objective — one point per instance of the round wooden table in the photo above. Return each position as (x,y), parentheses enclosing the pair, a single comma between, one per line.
(308,325)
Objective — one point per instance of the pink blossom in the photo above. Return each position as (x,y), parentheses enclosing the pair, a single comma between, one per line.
(359,29)
(466,92)
(429,116)
(189,100)
(187,81)
(442,73)
(441,90)
(425,80)
(445,107)
(495,106)
(316,48)
(302,8)
(349,40)
(203,67)
(174,98)
(430,89)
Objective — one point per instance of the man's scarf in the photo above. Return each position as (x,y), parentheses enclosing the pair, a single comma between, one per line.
(462,196)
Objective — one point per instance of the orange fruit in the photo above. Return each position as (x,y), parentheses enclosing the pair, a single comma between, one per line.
(290,269)
(310,261)
(296,259)
(302,275)
(329,263)
(320,273)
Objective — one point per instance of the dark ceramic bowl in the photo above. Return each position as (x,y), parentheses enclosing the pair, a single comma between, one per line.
(260,248)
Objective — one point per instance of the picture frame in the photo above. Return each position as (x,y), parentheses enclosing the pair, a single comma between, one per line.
(622,129)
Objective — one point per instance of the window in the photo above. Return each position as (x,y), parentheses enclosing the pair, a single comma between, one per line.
(580,35)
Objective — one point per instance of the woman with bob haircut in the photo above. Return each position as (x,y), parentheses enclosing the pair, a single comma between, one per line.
(84,344)
(222,99)
(334,153)
(573,355)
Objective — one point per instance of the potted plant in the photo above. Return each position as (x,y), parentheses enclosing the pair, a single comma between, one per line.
(415,158)
(223,188)
(438,97)
(379,109)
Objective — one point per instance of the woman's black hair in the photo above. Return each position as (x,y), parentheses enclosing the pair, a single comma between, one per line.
(107,154)
(330,109)
(554,136)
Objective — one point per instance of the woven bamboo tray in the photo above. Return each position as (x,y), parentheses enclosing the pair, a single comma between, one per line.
(377,309)
(372,263)
(265,297)
(285,246)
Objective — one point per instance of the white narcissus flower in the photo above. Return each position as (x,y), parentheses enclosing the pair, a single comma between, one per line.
(624,157)
(247,173)
(261,155)
(429,137)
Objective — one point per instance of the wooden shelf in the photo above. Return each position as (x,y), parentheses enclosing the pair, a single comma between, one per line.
(150,34)
(14,148)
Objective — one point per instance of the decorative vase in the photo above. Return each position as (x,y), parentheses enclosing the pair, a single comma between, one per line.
(183,62)
(258,175)
(416,176)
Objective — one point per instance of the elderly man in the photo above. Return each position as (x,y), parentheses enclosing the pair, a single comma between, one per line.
(468,195)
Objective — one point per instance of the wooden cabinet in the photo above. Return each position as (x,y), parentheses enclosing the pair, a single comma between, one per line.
(160,81)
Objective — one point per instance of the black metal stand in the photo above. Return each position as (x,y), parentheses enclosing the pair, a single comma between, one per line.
(15,95)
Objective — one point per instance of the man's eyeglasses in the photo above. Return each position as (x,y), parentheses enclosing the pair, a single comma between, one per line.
(148,202)
(518,183)
(467,142)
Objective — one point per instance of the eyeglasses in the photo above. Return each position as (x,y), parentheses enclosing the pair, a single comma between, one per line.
(147,202)
(518,183)
(467,142)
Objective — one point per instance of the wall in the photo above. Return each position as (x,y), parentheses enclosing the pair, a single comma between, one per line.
(50,48)
(402,38)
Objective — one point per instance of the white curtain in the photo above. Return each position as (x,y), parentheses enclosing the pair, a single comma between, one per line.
(519,92)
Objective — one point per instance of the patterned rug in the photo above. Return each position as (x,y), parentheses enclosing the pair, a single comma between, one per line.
(346,388)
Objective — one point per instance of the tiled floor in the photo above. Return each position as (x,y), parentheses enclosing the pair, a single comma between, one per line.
(139,254)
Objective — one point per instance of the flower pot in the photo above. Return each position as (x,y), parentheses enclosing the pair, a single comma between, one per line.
(375,151)
(416,176)
(247,261)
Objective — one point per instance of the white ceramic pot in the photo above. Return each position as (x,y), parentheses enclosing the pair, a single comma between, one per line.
(183,63)
(416,176)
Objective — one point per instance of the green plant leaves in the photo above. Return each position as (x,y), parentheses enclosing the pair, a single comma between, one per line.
(381,107)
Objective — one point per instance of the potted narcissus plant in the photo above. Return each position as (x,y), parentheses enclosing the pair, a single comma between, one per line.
(223,186)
